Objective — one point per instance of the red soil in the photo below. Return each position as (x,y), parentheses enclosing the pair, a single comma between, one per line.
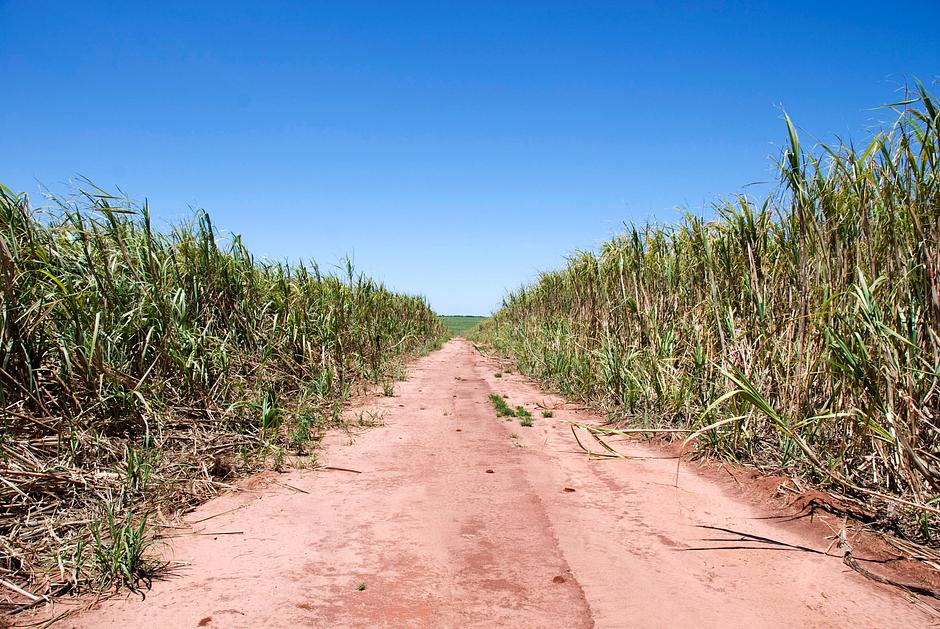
(453,522)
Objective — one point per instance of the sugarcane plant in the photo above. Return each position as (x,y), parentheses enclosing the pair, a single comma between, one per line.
(809,317)
(143,366)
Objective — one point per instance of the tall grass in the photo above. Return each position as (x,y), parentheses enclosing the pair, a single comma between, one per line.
(142,366)
(807,321)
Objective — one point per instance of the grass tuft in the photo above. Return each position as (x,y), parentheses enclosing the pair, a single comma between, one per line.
(119,549)
(502,408)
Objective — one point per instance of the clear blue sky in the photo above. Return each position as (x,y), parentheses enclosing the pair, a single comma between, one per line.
(453,149)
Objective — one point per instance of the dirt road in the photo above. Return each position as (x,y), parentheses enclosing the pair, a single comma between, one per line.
(461,519)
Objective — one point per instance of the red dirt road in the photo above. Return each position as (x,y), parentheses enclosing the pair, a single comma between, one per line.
(454,522)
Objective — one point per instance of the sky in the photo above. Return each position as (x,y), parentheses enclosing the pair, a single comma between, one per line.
(451,149)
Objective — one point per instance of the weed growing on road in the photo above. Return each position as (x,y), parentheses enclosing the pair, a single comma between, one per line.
(369,418)
(502,409)
(525,417)
(547,414)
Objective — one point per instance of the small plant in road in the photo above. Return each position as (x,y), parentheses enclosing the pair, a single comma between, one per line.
(499,403)
(369,418)
(525,417)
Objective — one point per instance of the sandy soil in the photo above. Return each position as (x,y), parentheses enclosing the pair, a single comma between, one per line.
(462,519)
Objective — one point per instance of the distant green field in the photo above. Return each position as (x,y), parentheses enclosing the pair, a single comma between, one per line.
(457,325)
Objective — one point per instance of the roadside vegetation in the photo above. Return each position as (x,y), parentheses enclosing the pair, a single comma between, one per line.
(141,369)
(459,325)
(798,332)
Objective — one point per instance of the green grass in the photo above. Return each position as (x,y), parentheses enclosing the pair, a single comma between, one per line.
(120,547)
(525,417)
(800,332)
(460,325)
(502,408)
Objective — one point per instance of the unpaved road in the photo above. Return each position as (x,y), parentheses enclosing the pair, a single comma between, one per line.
(453,522)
